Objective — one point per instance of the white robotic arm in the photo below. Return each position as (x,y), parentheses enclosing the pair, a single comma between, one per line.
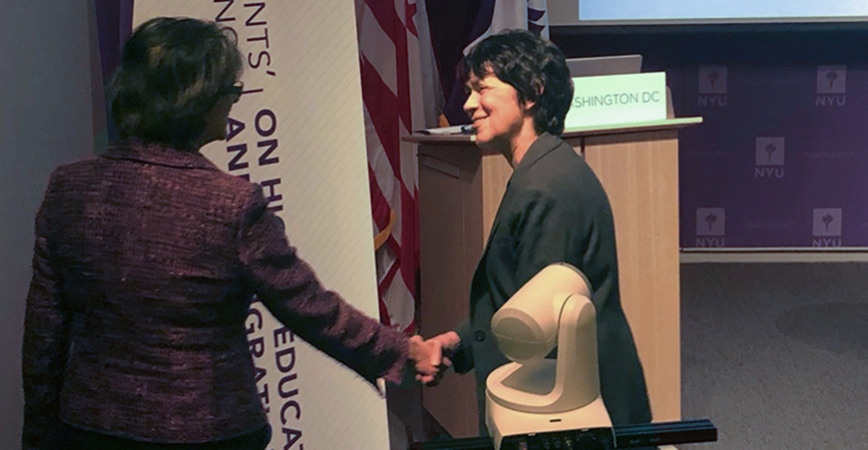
(526,327)
(534,394)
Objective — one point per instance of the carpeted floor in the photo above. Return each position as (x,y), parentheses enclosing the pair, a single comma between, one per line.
(776,355)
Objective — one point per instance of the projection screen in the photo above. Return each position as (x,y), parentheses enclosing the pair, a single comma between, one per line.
(673,12)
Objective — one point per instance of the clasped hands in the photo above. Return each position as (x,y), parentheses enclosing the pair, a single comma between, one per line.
(431,357)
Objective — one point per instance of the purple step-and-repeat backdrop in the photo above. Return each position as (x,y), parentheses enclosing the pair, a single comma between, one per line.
(779,160)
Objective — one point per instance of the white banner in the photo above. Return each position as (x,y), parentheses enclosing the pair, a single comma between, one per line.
(298,131)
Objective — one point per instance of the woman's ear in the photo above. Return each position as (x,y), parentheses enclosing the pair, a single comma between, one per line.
(529,104)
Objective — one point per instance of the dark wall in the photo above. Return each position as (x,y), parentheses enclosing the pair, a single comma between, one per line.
(675,46)
(780,159)
(46,118)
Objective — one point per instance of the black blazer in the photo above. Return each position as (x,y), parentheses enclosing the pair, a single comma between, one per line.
(554,210)
(145,264)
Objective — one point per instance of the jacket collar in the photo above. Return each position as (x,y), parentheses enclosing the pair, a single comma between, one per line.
(540,147)
(158,154)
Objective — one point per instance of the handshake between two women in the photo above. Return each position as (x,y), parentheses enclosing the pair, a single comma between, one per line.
(431,357)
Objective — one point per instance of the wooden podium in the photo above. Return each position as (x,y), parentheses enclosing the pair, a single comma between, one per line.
(460,188)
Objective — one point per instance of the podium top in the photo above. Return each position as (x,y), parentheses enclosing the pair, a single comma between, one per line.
(601,130)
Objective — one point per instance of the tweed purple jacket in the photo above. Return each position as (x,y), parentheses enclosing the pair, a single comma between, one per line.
(146,260)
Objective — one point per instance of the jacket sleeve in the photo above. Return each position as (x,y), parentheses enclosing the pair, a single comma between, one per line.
(45,344)
(288,287)
(462,358)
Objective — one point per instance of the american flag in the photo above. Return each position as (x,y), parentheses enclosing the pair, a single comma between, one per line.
(400,92)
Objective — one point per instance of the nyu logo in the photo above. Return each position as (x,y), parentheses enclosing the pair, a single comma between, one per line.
(710,227)
(831,85)
(827,227)
(769,157)
(712,86)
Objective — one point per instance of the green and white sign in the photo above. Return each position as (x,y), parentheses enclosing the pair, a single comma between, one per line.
(617,99)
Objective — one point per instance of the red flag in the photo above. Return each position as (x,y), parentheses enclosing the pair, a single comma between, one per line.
(399,89)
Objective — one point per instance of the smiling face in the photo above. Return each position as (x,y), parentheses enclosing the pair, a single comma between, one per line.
(500,120)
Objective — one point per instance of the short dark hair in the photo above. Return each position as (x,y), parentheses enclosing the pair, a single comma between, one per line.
(172,73)
(535,67)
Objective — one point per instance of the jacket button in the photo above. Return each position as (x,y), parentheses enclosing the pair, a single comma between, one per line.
(479,335)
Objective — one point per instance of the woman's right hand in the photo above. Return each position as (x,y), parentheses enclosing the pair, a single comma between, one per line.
(448,342)
(427,358)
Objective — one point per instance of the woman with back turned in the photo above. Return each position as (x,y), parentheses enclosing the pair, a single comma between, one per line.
(146,260)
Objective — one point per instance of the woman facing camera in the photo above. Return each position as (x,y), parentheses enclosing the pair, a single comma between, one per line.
(554,210)
(145,263)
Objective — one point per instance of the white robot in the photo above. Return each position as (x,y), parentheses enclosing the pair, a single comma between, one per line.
(534,394)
